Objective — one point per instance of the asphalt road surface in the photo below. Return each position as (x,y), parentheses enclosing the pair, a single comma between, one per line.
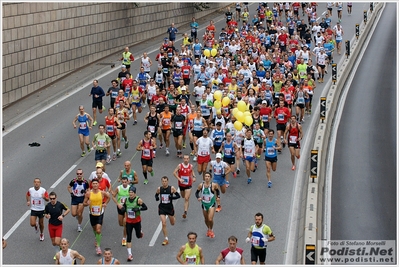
(56,160)
(364,173)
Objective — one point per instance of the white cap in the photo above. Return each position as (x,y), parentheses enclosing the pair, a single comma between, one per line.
(218,156)
(264,102)
(264,80)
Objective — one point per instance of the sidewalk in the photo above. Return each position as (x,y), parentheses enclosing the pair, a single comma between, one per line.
(13,113)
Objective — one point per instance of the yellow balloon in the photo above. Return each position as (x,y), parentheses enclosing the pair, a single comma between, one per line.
(240,116)
(248,120)
(238,125)
(218,95)
(247,113)
(219,111)
(217,104)
(207,53)
(226,101)
(241,106)
(214,52)
(235,110)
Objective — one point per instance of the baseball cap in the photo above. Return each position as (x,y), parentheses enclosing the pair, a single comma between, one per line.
(183,88)
(318,42)
(218,156)
(264,102)
(264,80)
(132,189)
(99,165)
(123,66)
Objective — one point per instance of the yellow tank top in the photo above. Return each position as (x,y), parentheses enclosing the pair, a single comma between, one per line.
(191,255)
(135,95)
(233,89)
(96,203)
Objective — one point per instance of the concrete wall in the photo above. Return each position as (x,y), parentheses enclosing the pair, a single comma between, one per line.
(42,42)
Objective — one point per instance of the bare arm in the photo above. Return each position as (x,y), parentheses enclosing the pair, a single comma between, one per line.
(76,255)
(178,256)
(202,258)
(219,259)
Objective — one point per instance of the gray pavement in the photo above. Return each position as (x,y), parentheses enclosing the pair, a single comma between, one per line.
(56,160)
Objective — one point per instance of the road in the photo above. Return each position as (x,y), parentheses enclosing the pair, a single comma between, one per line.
(364,172)
(59,156)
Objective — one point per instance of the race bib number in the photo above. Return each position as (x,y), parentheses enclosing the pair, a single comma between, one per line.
(185,180)
(265,118)
(151,128)
(179,125)
(270,151)
(280,117)
(36,202)
(100,143)
(131,214)
(166,121)
(228,151)
(165,70)
(301,100)
(82,125)
(110,128)
(95,210)
(165,198)
(123,200)
(191,260)
(293,139)
(206,199)
(146,153)
(255,240)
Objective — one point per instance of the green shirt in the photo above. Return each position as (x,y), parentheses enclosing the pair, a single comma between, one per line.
(123,194)
(100,140)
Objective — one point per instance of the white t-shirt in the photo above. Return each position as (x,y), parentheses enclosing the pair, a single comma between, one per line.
(204,146)
(67,260)
(94,175)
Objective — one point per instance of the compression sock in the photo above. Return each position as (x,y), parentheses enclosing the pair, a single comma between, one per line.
(129,251)
(98,239)
(145,175)
(192,146)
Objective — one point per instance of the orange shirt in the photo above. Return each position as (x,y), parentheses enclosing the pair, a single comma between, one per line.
(166,118)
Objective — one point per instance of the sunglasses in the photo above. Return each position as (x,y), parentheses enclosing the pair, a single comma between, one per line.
(52,198)
(79,173)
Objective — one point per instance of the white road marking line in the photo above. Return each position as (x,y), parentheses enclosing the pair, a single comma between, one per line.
(63,176)
(16,225)
(159,228)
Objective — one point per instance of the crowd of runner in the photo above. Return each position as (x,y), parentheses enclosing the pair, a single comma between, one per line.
(272,60)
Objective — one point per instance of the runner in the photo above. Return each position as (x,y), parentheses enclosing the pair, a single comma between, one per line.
(220,170)
(123,115)
(152,119)
(259,137)
(119,196)
(94,199)
(198,125)
(217,136)
(204,147)
(97,94)
(190,124)
(179,126)
(35,198)
(293,134)
(146,63)
(282,113)
(259,235)
(133,207)
(127,58)
(67,256)
(129,173)
(108,258)
(165,208)
(209,194)
(231,255)
(146,145)
(228,151)
(54,211)
(166,117)
(112,124)
(191,253)
(250,148)
(184,173)
(151,90)
(93,174)
(238,139)
(84,128)
(135,100)
(113,92)
(143,78)
(271,146)
(101,142)
(77,188)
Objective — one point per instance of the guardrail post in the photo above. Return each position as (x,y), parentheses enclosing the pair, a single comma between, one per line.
(323,108)
(371,7)
(348,48)
(365,16)
(313,164)
(357,31)
(334,72)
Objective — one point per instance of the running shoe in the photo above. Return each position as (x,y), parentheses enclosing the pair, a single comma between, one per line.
(83,154)
(88,149)
(234,174)
(165,242)
(55,258)
(118,154)
(184,145)
(258,156)
(123,139)
(37,227)
(160,146)
(114,157)
(208,233)
(293,168)
(249,180)
(135,122)
(109,159)
(195,158)
(80,229)
(211,234)
(227,184)
(192,153)
(124,242)
(142,234)
(94,123)
(269,184)
(152,172)
(104,108)
(167,152)
(219,208)
(126,144)
(130,257)
(41,238)
(145,181)
(184,215)
(98,251)
(238,171)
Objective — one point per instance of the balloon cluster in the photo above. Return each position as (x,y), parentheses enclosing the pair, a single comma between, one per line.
(242,115)
(212,52)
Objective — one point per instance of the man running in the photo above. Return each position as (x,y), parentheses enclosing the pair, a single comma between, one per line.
(152,119)
(220,170)
(146,146)
(77,188)
(232,255)
(293,134)
(135,99)
(112,124)
(67,256)
(166,117)
(55,211)
(178,121)
(133,206)
(282,113)
(119,196)
(97,94)
(190,253)
(84,129)
(129,173)
(209,192)
(250,149)
(123,115)
(108,258)
(101,142)
(35,198)
(272,144)
(94,199)
(127,58)
(228,151)
(259,235)
(184,173)
(204,146)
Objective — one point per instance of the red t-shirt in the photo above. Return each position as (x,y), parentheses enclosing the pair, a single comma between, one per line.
(279,115)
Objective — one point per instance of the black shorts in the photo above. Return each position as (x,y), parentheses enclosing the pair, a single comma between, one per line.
(94,220)
(37,213)
(77,200)
(127,66)
(216,147)
(260,145)
(197,134)
(266,125)
(185,187)
(300,105)
(330,9)
(271,159)
(177,133)
(258,254)
(238,9)
(146,162)
(120,212)
(165,131)
(123,126)
(97,104)
(321,66)
(112,136)
(296,145)
(329,57)
(155,133)
(281,127)
(166,211)
(230,161)
(206,117)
